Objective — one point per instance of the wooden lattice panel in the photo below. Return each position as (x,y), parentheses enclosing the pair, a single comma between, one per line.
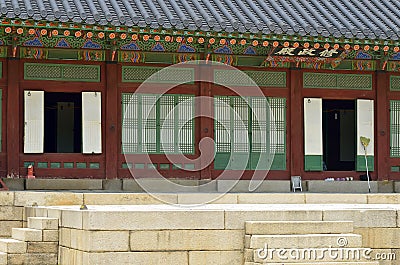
(157,74)
(395,83)
(268,79)
(251,128)
(350,81)
(62,72)
(337,81)
(42,71)
(81,72)
(137,74)
(249,78)
(395,128)
(157,125)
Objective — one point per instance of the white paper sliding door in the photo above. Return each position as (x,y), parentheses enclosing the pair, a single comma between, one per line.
(34,121)
(91,122)
(365,128)
(313,141)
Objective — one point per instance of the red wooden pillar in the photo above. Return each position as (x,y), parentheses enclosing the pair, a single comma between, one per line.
(13,117)
(206,126)
(382,125)
(296,123)
(111,113)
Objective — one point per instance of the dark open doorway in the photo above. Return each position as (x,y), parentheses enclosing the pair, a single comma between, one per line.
(62,122)
(339,134)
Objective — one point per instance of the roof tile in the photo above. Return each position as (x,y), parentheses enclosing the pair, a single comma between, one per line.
(352,19)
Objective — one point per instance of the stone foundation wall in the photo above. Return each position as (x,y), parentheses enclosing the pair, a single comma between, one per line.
(10,215)
(242,186)
(156,233)
(161,234)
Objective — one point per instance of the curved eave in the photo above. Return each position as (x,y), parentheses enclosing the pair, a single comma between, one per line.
(115,33)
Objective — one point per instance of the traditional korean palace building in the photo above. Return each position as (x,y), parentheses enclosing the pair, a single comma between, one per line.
(328,69)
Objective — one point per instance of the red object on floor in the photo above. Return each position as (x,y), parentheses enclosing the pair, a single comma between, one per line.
(3,186)
(30,172)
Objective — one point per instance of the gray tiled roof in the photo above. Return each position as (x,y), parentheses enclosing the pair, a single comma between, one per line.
(374,19)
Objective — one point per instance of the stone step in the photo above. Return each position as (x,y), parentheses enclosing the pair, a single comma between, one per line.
(11,246)
(43,223)
(27,234)
(3,258)
(298,227)
(42,247)
(41,259)
(50,235)
(305,241)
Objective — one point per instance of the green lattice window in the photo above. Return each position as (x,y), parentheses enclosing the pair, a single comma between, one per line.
(249,78)
(157,74)
(337,81)
(62,72)
(394,83)
(137,73)
(278,132)
(270,79)
(395,128)
(250,132)
(157,124)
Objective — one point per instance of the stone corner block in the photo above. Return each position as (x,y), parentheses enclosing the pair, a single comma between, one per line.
(72,218)
(64,184)
(6,198)
(43,223)
(320,198)
(244,186)
(112,184)
(215,257)
(152,219)
(42,247)
(386,186)
(100,241)
(6,226)
(27,198)
(207,198)
(3,258)
(41,258)
(389,198)
(270,198)
(364,218)
(27,234)
(50,235)
(15,183)
(127,198)
(184,240)
(10,213)
(397,186)
(341,186)
(12,246)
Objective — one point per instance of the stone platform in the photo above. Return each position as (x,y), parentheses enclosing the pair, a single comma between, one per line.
(177,228)
(217,233)
(232,186)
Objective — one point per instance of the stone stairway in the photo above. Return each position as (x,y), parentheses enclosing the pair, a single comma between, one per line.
(303,243)
(35,245)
